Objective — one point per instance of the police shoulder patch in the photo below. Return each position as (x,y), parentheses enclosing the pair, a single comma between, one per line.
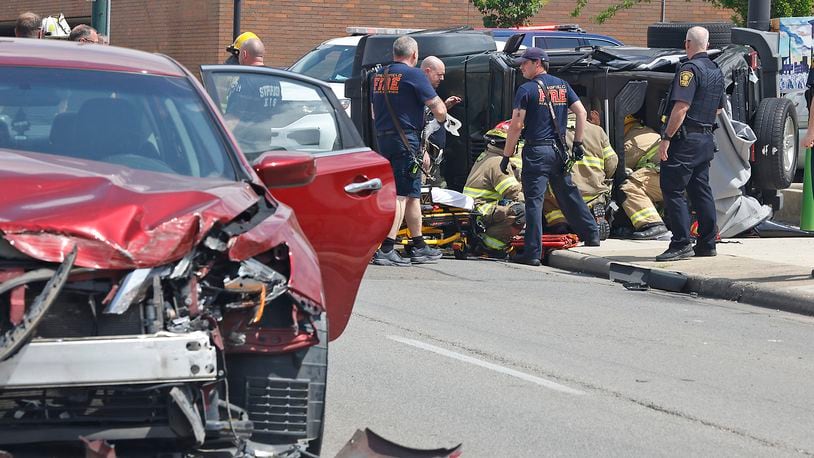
(684,78)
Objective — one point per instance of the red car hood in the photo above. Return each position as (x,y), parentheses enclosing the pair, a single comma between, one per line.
(118,217)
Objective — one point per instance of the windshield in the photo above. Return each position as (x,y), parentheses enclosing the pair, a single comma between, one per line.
(146,122)
(332,63)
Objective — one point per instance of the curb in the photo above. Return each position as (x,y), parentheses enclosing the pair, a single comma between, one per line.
(746,292)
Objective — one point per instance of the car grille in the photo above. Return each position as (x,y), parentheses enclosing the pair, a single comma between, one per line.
(279,407)
(79,407)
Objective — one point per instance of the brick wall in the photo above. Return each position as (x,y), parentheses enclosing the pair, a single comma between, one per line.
(70,8)
(292,27)
(630,26)
(187,30)
(197,31)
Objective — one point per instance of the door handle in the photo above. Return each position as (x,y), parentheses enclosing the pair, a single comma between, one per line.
(370,185)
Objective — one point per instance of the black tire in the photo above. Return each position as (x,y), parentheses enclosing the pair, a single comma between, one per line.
(673,34)
(245,372)
(460,254)
(775,125)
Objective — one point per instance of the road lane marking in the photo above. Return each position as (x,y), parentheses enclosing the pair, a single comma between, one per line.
(487,365)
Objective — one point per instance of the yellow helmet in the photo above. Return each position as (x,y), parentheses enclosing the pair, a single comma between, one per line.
(234,48)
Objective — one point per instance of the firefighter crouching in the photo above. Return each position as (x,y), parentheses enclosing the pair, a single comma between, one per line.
(593,175)
(498,196)
(642,187)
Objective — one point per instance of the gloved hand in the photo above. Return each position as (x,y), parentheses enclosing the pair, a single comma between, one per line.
(578,150)
(504,165)
(519,211)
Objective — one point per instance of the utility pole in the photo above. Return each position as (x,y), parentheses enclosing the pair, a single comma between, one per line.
(236,21)
(663,11)
(100,17)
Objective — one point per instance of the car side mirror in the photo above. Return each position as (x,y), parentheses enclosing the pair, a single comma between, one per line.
(285,169)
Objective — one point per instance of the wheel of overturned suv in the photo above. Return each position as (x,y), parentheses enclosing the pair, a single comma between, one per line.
(775,125)
(673,34)
(284,394)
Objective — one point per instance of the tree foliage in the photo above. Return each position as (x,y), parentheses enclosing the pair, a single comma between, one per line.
(780,8)
(507,13)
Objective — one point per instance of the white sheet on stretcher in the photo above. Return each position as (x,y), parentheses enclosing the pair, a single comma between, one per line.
(449,197)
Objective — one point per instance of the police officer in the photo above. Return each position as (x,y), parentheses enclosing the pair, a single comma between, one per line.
(542,161)
(687,148)
(404,90)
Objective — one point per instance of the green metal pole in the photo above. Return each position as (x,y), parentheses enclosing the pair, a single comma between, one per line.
(100,16)
(807,213)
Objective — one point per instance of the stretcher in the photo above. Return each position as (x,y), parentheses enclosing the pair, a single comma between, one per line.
(449,223)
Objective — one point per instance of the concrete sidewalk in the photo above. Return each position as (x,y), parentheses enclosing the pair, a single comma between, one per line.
(774,273)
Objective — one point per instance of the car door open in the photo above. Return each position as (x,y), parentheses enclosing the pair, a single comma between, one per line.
(348,208)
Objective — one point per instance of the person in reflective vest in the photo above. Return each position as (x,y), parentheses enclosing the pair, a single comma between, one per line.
(498,196)
(592,174)
(642,188)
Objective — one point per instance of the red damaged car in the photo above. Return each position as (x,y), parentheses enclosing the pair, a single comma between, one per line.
(156,283)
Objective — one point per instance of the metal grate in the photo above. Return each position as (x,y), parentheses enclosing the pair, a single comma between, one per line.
(82,407)
(278,406)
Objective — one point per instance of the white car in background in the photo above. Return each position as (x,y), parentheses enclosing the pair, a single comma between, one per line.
(332,62)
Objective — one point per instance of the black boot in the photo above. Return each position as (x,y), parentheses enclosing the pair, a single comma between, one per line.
(649,232)
(674,254)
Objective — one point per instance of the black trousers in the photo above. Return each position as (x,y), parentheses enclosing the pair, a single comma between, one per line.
(541,167)
(687,169)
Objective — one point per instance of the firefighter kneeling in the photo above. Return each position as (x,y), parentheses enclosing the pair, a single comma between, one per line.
(592,175)
(642,187)
(498,195)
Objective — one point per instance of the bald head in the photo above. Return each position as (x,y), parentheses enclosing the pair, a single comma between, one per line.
(252,52)
(435,70)
(697,40)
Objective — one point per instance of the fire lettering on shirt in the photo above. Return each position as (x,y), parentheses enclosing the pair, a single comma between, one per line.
(388,84)
(558,95)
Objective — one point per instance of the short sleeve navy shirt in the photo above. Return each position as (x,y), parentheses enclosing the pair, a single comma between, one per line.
(408,89)
(530,97)
(686,83)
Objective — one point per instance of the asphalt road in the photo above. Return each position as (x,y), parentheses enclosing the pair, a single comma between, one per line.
(523,361)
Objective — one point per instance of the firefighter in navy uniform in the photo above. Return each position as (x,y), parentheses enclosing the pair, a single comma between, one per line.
(399,93)
(687,148)
(543,159)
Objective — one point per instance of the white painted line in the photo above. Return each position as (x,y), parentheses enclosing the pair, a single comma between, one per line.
(497,368)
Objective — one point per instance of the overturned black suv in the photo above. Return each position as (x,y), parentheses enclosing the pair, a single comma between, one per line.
(618,81)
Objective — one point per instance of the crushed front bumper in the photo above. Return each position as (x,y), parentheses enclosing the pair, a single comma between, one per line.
(126,360)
